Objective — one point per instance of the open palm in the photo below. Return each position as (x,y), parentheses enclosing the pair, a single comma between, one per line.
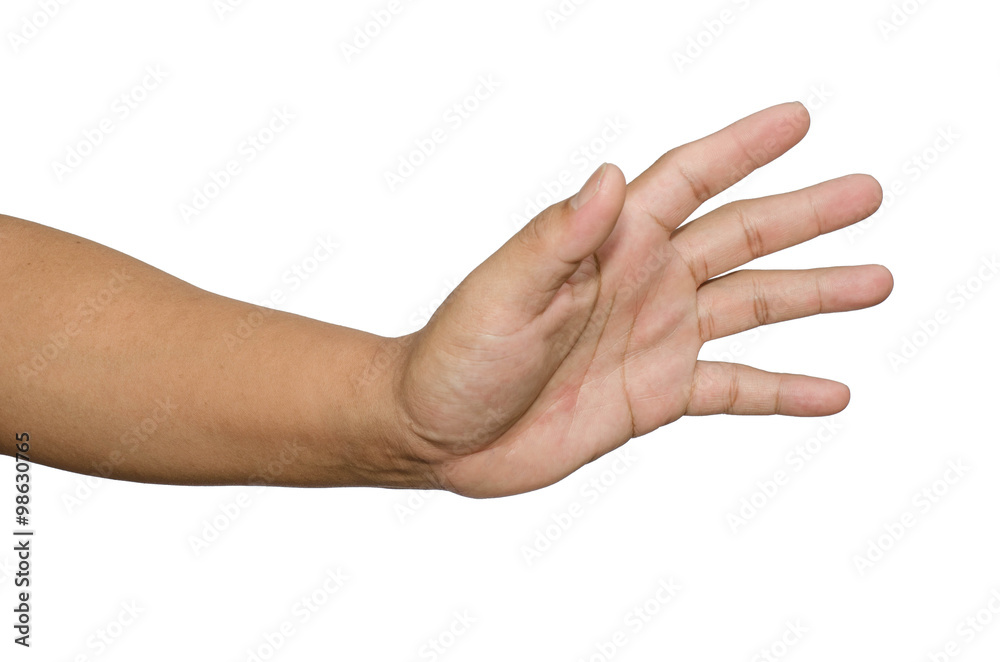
(583,331)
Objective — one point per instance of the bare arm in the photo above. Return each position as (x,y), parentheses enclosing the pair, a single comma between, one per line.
(116,368)
(580,333)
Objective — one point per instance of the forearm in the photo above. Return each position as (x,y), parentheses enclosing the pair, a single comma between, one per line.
(118,369)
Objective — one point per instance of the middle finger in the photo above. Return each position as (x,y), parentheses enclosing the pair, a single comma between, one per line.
(741,231)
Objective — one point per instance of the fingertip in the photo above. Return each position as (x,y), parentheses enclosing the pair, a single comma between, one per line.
(788,121)
(867,285)
(606,186)
(868,193)
(615,189)
(803,116)
(842,397)
(591,223)
(612,192)
(877,185)
(884,280)
(571,230)
(615,176)
(874,191)
(823,397)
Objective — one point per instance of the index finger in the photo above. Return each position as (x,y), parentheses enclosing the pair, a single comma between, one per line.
(678,183)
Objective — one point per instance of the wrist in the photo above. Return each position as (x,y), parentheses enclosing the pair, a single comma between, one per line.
(397,456)
(333,394)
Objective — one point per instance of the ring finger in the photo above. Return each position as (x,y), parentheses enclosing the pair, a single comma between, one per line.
(747,299)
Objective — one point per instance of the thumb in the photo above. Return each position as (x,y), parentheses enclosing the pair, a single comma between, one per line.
(542,256)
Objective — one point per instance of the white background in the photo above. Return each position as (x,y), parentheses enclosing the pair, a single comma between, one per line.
(879,99)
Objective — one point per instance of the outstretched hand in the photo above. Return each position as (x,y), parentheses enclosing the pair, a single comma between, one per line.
(583,330)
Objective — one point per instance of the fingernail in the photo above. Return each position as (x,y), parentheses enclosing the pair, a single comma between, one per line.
(589,189)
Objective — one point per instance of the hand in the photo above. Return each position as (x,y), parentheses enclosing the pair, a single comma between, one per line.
(583,330)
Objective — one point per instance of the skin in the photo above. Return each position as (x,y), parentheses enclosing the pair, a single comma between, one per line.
(578,334)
